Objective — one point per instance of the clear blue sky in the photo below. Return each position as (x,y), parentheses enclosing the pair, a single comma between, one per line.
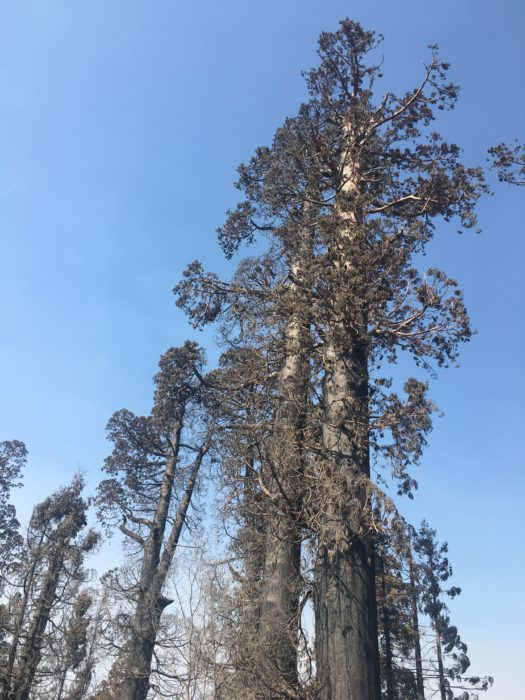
(122,123)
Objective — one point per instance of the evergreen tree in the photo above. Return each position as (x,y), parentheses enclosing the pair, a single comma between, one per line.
(347,196)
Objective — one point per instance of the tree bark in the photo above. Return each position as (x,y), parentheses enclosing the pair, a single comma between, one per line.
(8,679)
(155,567)
(281,576)
(345,608)
(281,584)
(345,612)
(32,650)
(389,676)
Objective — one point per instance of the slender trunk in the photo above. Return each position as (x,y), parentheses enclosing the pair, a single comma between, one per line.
(389,675)
(253,557)
(32,649)
(61,684)
(155,567)
(415,628)
(148,611)
(441,670)
(246,655)
(345,608)
(8,679)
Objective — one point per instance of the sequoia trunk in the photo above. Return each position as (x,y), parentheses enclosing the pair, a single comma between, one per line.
(345,609)
(281,576)
(346,630)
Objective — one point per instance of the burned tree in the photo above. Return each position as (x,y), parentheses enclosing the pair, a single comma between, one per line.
(51,566)
(153,472)
(363,181)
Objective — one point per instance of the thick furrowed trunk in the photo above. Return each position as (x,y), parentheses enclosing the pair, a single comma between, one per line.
(278,626)
(345,600)
(140,654)
(346,657)
(345,610)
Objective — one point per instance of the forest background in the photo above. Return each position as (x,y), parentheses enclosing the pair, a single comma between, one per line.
(122,125)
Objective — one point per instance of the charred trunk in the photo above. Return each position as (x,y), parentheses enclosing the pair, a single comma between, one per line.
(345,609)
(281,584)
(345,601)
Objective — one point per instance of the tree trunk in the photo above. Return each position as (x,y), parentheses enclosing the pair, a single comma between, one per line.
(281,576)
(441,670)
(389,676)
(415,628)
(20,617)
(141,645)
(346,626)
(62,683)
(32,649)
(281,585)
(345,611)
(155,568)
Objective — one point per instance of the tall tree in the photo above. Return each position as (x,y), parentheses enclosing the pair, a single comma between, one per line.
(366,179)
(153,473)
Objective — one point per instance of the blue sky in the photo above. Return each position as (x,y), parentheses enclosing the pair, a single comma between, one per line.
(122,123)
